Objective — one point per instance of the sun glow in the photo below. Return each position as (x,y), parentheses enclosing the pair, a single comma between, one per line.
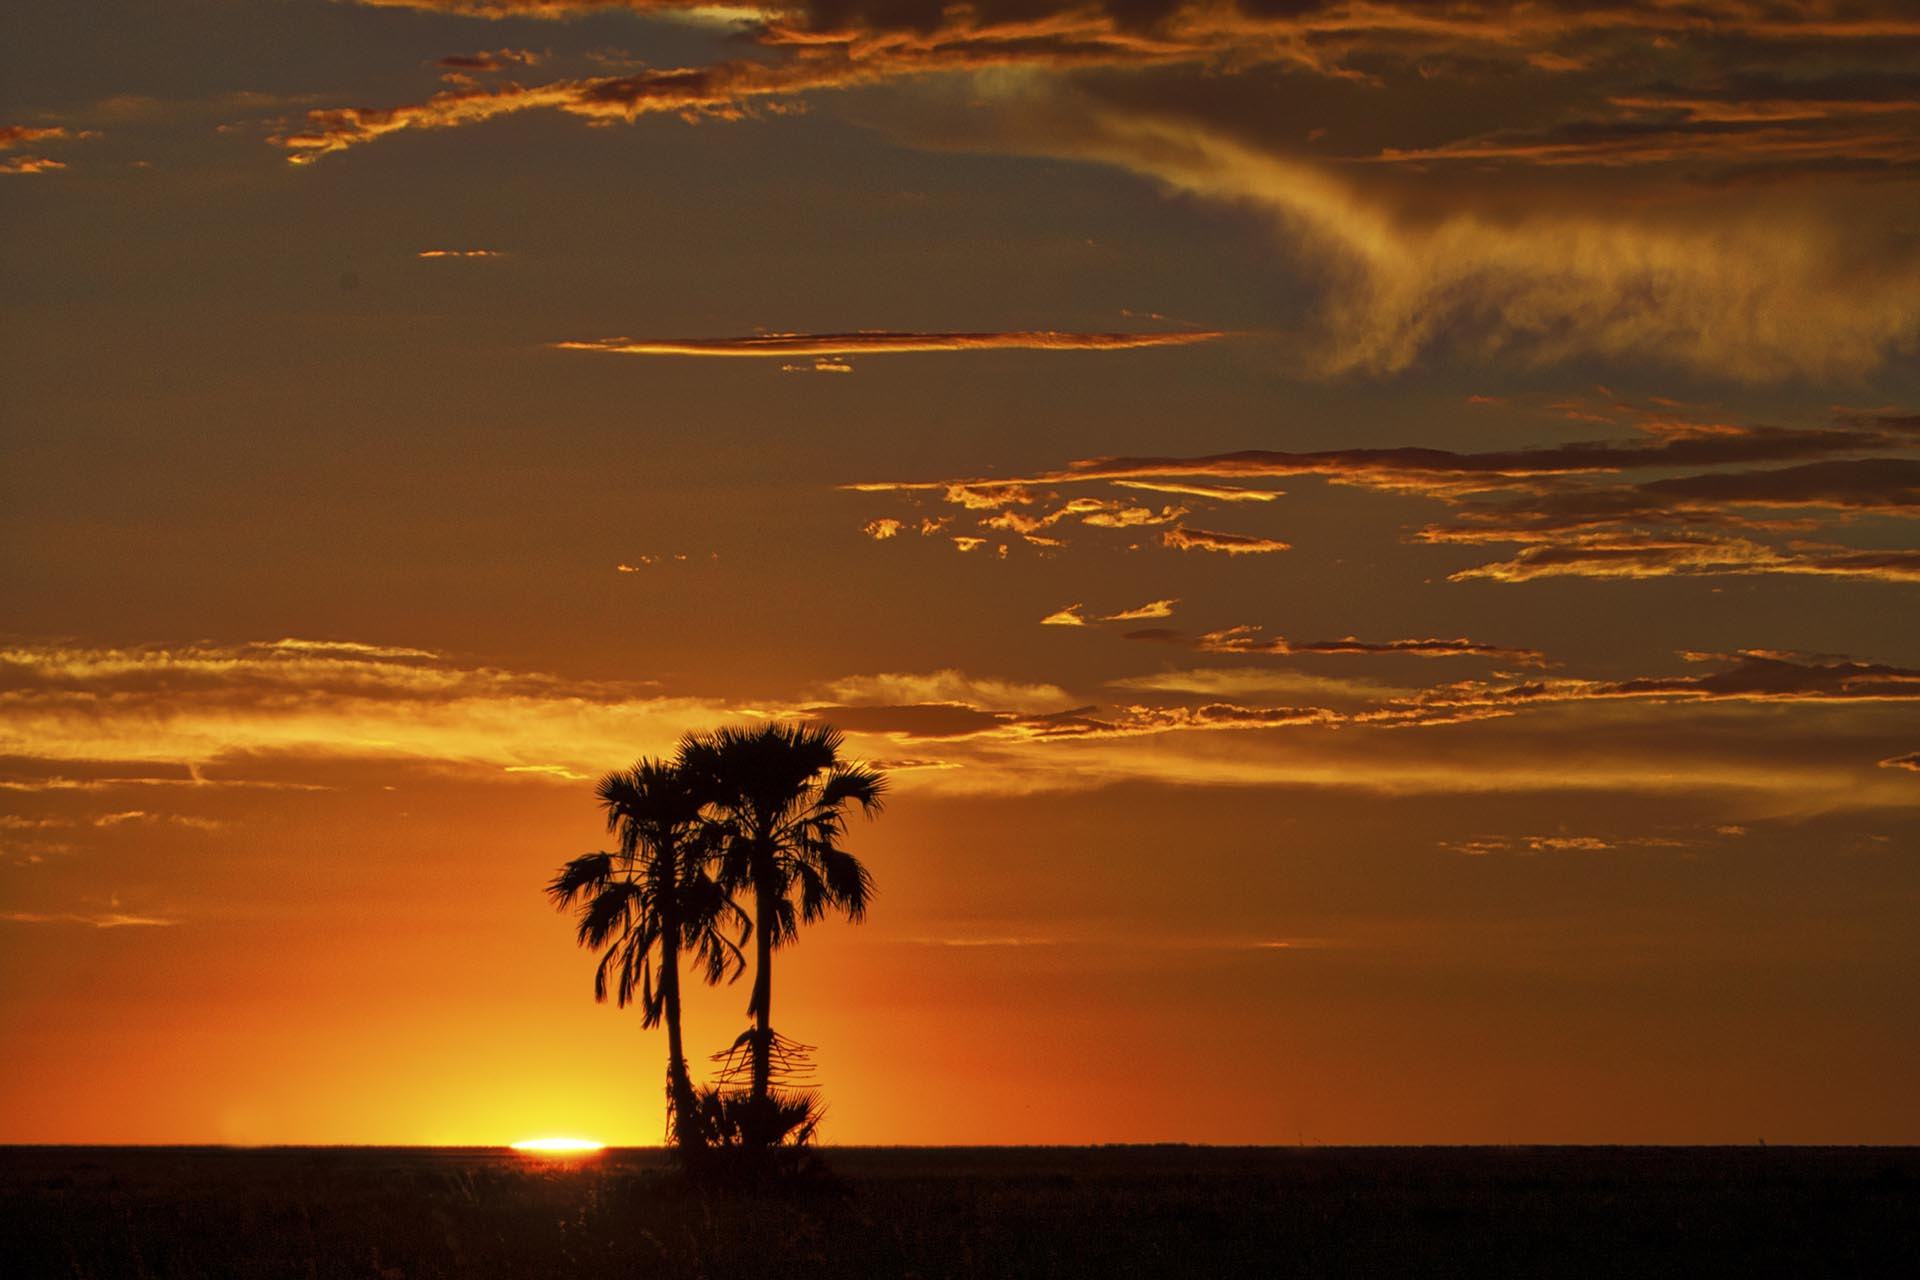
(559,1146)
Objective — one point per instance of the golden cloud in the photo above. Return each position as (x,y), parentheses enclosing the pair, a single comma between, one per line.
(1181,538)
(20,135)
(1247,639)
(1152,609)
(95,919)
(1684,274)
(881,342)
(29,165)
(1543,280)
(1560,503)
(63,708)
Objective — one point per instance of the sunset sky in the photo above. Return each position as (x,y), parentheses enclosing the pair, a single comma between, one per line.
(1375,542)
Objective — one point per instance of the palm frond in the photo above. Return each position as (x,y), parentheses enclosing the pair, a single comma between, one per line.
(849,883)
(585,872)
(613,909)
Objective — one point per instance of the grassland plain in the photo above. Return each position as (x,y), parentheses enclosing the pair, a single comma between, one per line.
(933,1212)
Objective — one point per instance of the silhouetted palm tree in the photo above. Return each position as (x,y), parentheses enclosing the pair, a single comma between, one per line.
(781,793)
(654,894)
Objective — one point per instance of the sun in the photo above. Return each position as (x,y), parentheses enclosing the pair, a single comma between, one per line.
(559,1146)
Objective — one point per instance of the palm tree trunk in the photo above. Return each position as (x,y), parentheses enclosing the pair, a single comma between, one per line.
(764,908)
(679,1083)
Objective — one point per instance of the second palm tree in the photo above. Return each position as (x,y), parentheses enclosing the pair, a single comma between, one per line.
(781,795)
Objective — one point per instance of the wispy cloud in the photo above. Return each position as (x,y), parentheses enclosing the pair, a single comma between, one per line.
(1429,230)
(287,708)
(489,61)
(1248,639)
(1241,682)
(1217,492)
(1565,506)
(200,704)
(1748,676)
(950,686)
(27,135)
(1072,615)
(1476,270)
(986,940)
(95,920)
(1152,609)
(13,136)
(27,166)
(1182,538)
(880,342)
(1655,556)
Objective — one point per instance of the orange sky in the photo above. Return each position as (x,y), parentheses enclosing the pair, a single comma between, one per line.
(1376,549)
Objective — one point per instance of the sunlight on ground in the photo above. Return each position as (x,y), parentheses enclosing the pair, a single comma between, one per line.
(559,1146)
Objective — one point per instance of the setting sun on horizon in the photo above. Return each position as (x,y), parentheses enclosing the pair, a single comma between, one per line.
(558,1146)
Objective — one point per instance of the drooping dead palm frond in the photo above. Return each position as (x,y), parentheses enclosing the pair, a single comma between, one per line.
(792,1065)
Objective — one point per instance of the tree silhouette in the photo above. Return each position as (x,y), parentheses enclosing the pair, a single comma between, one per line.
(780,794)
(653,897)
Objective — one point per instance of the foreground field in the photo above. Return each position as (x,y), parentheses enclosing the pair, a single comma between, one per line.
(392,1213)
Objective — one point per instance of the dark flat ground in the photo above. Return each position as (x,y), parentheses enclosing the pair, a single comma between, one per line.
(928,1212)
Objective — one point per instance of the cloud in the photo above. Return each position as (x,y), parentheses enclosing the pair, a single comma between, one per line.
(1444,472)
(459,254)
(1480,847)
(1247,639)
(1152,609)
(1752,676)
(879,342)
(96,920)
(1472,271)
(1561,842)
(971,941)
(23,135)
(29,165)
(915,722)
(75,711)
(949,686)
(953,721)
(882,529)
(488,61)
(1181,538)
(1219,493)
(1067,617)
(1239,682)
(557,9)
(13,136)
(1756,125)
(1650,556)
(1433,223)
(1844,487)
(1911,760)
(202,704)
(1563,505)
(59,783)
